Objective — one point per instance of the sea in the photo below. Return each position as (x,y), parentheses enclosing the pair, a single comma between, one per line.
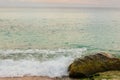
(45,41)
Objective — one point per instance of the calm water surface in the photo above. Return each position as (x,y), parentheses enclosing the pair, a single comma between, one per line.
(57,28)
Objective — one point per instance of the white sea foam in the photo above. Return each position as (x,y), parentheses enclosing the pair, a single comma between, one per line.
(9,51)
(55,67)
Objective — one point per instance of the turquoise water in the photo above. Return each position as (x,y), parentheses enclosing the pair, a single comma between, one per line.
(40,37)
(39,28)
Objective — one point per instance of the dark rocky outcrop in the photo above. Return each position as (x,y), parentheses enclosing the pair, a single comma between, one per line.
(92,64)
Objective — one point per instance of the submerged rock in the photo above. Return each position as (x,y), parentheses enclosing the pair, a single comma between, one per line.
(92,64)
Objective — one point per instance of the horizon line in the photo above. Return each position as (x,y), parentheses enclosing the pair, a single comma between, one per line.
(61,7)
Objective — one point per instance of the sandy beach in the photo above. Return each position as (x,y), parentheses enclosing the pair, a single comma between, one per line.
(27,78)
(35,78)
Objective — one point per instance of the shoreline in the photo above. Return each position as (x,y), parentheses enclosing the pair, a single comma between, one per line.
(35,78)
(27,78)
(109,75)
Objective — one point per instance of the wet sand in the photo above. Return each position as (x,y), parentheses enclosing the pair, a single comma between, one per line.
(35,78)
(28,78)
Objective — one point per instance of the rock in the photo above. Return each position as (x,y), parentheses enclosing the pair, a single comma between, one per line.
(93,64)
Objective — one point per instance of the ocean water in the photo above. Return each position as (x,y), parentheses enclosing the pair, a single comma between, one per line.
(44,42)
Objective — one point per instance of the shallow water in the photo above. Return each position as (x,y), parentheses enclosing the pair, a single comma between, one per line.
(45,41)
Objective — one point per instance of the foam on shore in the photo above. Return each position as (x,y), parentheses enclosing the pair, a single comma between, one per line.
(47,66)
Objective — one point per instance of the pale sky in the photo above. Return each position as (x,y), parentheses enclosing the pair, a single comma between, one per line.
(59,3)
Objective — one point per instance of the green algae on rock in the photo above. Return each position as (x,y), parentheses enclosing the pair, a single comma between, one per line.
(92,64)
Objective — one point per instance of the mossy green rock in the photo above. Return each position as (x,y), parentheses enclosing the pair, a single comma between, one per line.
(92,64)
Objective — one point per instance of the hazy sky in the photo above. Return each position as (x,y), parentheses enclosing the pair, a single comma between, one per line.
(57,3)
